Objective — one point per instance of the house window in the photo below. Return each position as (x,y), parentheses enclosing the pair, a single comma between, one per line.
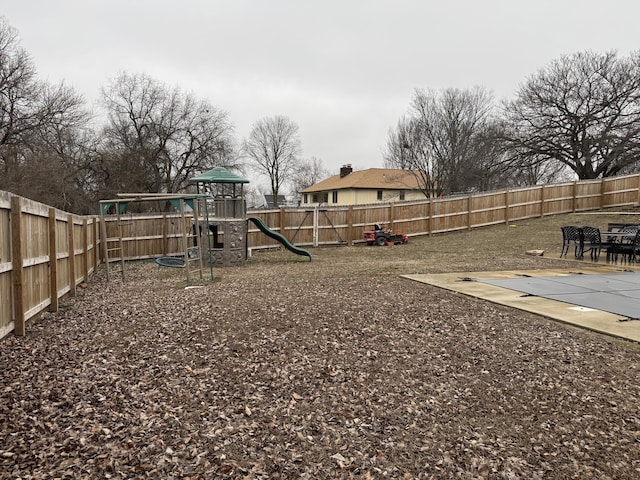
(322,197)
(306,199)
(379,195)
(401,195)
(334,196)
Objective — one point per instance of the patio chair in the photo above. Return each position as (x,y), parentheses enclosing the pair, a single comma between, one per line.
(592,242)
(617,240)
(630,250)
(572,235)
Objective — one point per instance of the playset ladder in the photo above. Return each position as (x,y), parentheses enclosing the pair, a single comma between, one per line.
(113,248)
(192,254)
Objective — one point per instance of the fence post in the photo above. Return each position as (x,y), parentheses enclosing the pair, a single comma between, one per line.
(85,249)
(575,197)
(350,225)
(602,192)
(506,207)
(430,215)
(469,212)
(315,226)
(165,234)
(72,255)
(53,261)
(17,261)
(391,216)
(96,250)
(283,222)
(542,201)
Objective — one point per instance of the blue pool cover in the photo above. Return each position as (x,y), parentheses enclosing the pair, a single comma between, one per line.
(617,293)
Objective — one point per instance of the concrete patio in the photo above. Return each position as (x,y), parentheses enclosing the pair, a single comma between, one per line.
(473,284)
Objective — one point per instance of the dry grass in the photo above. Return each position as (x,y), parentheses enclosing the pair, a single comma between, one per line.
(489,248)
(335,368)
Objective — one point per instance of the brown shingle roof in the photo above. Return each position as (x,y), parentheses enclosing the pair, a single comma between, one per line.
(379,178)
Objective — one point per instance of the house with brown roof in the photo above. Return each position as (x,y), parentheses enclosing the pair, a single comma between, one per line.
(374,185)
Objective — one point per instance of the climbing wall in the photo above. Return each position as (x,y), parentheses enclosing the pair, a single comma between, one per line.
(228,242)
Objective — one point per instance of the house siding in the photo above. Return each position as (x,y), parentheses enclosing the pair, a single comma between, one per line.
(363,196)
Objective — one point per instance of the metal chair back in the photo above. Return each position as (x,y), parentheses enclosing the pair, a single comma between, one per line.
(572,235)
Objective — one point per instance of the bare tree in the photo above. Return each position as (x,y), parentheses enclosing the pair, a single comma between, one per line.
(273,147)
(19,101)
(307,173)
(440,139)
(60,155)
(582,111)
(157,138)
(409,149)
(41,125)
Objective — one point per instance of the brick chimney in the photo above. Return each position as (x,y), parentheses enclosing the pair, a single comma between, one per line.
(345,170)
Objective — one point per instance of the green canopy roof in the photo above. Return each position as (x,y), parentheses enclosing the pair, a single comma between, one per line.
(218,175)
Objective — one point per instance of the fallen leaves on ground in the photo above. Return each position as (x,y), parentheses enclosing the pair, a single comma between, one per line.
(285,369)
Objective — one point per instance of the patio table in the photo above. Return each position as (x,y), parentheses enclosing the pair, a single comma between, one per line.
(617,237)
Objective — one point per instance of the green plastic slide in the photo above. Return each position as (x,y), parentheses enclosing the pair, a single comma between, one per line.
(276,236)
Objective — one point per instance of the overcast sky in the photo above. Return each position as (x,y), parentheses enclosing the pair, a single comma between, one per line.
(344,71)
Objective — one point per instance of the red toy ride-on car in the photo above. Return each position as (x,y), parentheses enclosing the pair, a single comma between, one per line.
(380,236)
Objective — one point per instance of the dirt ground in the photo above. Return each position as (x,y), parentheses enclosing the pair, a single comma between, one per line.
(335,368)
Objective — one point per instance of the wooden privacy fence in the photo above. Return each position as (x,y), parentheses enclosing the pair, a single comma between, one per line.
(320,226)
(45,253)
